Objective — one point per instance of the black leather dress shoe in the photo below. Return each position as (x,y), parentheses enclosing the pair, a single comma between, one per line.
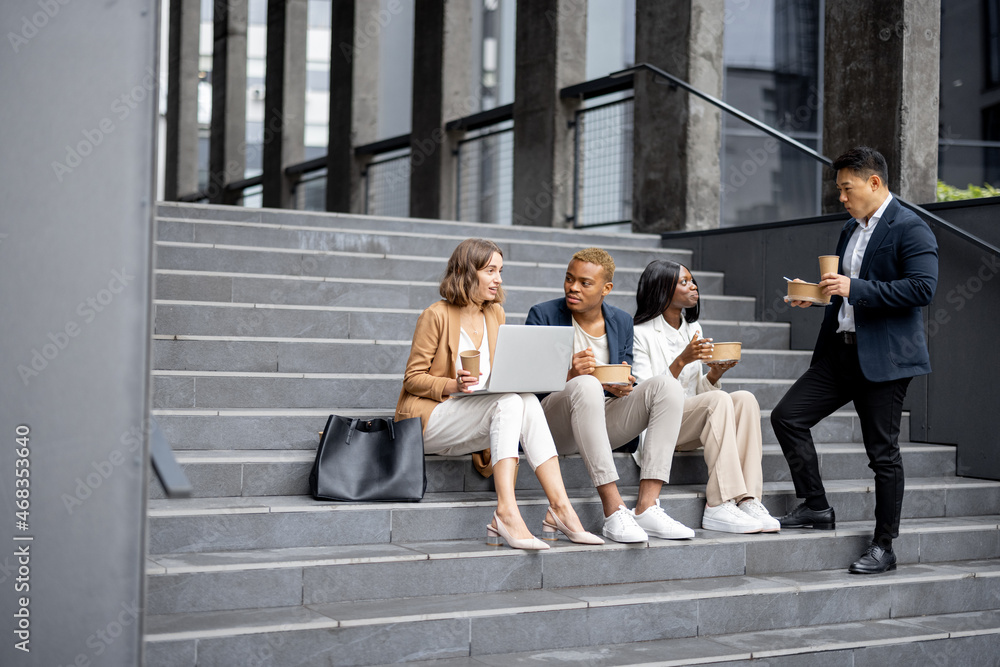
(803,517)
(874,561)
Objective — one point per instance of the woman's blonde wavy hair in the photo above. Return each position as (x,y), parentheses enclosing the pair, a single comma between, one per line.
(461,280)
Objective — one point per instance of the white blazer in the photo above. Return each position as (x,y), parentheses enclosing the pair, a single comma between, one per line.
(657,344)
(654,347)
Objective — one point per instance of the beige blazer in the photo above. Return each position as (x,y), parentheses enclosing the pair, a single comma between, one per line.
(434,356)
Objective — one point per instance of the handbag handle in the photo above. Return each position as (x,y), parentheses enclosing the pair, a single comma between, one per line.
(354,427)
(350,431)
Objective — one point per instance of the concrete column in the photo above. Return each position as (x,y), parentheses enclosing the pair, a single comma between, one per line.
(181,176)
(881,73)
(227,147)
(551,53)
(76,244)
(676,173)
(443,90)
(284,98)
(354,70)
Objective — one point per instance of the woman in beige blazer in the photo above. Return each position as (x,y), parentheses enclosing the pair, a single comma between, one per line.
(668,339)
(468,319)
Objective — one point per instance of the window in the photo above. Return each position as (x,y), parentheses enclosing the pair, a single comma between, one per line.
(992,43)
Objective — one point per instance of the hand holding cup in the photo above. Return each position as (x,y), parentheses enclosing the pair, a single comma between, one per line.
(698,349)
(468,375)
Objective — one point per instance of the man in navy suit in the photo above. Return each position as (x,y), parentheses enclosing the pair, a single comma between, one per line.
(585,419)
(871,344)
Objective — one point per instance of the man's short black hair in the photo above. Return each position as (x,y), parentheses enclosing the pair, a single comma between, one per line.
(863,162)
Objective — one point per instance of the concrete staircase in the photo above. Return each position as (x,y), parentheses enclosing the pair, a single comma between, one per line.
(268,321)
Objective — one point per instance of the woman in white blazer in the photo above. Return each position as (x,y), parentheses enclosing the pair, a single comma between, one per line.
(668,339)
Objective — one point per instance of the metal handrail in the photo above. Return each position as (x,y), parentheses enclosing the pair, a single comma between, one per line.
(383,146)
(605,85)
(493,116)
(614,82)
(784,138)
(746,118)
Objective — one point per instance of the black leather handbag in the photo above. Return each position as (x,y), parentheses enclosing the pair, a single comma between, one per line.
(369,460)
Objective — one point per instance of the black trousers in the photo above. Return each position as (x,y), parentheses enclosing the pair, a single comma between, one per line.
(830,383)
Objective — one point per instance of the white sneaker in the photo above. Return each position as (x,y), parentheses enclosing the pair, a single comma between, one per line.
(658,523)
(621,527)
(756,509)
(728,518)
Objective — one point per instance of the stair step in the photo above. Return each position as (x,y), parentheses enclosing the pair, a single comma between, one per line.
(217,581)
(344,355)
(361,266)
(229,286)
(217,473)
(268,428)
(944,639)
(406,242)
(270,319)
(267,321)
(463,625)
(267,522)
(377,386)
(583,237)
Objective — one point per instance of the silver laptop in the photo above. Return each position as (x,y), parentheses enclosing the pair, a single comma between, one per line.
(528,359)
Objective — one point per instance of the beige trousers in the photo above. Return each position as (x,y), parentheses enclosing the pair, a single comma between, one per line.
(728,427)
(583,420)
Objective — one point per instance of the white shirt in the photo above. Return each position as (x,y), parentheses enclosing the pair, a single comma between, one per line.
(465,343)
(655,346)
(597,344)
(854,255)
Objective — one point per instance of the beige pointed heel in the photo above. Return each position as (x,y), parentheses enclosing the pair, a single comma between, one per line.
(493,536)
(581,537)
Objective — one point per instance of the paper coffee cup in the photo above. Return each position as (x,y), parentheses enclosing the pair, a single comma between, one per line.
(828,264)
(470,362)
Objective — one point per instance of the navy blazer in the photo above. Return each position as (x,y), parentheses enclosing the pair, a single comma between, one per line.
(898,276)
(617,325)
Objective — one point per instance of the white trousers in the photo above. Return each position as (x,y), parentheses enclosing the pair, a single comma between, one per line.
(498,421)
